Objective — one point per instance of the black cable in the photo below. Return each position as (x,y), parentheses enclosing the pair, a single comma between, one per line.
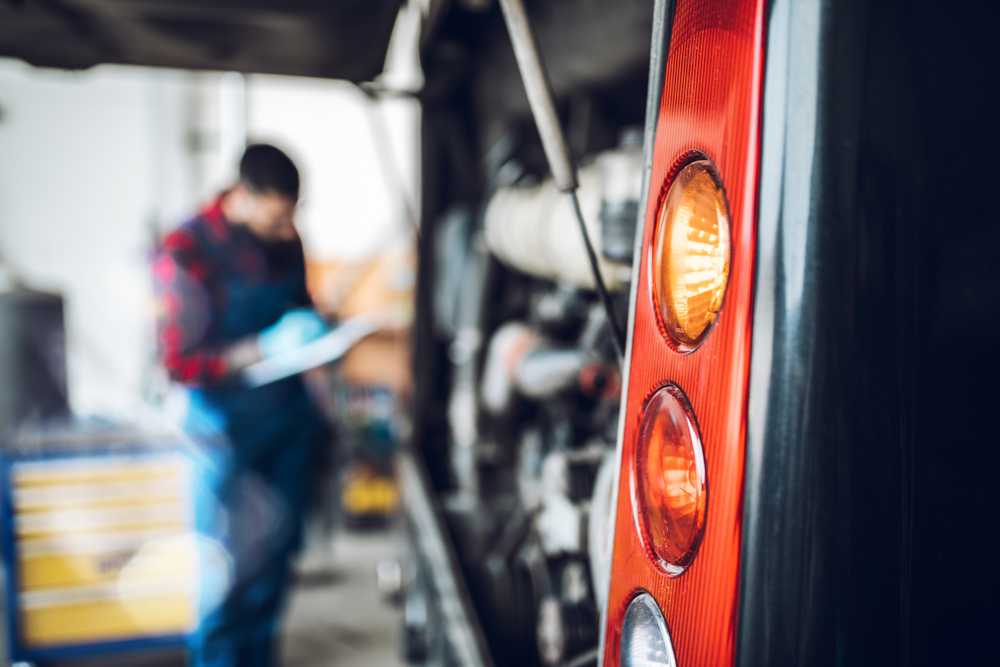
(609,306)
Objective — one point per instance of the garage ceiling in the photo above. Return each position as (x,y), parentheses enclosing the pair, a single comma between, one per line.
(344,39)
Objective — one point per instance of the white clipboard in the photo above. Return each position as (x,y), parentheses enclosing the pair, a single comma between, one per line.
(329,348)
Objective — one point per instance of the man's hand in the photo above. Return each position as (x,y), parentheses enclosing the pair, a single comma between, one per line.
(295,329)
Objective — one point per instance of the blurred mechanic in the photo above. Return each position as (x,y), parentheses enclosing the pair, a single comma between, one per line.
(232,291)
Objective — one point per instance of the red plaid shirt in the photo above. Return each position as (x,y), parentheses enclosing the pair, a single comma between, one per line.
(193,272)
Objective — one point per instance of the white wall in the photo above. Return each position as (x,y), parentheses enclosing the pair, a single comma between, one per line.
(90,163)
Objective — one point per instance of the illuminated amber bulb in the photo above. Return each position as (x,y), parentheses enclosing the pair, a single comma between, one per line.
(669,480)
(691,254)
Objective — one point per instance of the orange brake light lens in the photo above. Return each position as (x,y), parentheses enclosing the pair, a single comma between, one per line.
(670,479)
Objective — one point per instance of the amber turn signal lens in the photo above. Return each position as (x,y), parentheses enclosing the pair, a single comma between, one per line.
(691,254)
(669,479)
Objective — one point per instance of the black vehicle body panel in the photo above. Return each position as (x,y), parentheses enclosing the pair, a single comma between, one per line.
(869,504)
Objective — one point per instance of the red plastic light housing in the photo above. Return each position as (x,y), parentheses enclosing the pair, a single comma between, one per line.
(669,480)
(709,110)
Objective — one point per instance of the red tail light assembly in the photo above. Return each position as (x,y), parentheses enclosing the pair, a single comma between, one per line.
(672,598)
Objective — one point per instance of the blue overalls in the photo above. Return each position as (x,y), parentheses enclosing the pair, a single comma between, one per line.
(261,443)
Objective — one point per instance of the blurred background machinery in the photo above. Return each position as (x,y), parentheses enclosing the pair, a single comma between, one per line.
(517,377)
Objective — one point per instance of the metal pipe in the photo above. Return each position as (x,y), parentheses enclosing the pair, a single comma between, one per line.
(536,84)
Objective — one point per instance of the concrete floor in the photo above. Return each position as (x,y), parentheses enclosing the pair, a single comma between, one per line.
(336,615)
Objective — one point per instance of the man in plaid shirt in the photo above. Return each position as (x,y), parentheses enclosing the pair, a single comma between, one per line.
(232,291)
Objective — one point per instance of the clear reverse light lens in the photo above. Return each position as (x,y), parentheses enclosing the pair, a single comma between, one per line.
(645,640)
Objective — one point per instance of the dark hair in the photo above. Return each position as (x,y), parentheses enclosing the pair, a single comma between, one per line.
(265,168)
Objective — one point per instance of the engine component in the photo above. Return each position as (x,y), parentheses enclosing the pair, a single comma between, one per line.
(621,193)
(533,228)
(600,527)
(546,371)
(512,588)
(466,342)
(567,621)
(453,255)
(542,103)
(560,525)
(561,313)
(535,386)
(520,360)
(507,349)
